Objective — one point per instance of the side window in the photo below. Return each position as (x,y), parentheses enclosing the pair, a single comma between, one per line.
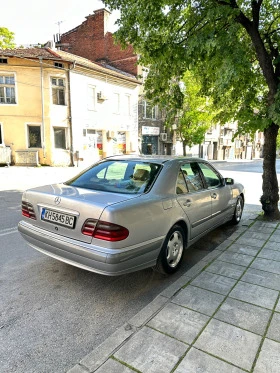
(114,171)
(58,91)
(34,137)
(91,97)
(1,137)
(181,186)
(7,89)
(59,138)
(192,176)
(213,179)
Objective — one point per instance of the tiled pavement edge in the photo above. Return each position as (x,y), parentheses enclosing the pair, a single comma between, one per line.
(223,315)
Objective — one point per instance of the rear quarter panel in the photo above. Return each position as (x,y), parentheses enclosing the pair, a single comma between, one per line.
(146,218)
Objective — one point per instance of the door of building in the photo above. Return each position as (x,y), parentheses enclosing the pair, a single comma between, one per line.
(149,144)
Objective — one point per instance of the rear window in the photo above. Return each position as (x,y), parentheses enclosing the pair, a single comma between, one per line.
(128,177)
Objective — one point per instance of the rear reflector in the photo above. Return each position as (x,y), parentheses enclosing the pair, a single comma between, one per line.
(28,210)
(104,230)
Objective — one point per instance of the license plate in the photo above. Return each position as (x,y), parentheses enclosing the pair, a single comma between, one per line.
(58,218)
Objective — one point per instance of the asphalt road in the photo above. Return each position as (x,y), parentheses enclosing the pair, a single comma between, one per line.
(53,314)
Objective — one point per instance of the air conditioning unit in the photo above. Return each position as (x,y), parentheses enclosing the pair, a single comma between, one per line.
(163,136)
(101,96)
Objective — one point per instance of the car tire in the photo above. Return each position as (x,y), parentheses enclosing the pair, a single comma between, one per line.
(238,210)
(171,254)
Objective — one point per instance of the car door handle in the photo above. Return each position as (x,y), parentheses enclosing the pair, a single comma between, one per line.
(214,195)
(187,203)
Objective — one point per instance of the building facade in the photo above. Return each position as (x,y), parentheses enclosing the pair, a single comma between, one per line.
(56,108)
(93,40)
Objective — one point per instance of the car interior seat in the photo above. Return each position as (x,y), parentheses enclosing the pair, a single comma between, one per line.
(141,174)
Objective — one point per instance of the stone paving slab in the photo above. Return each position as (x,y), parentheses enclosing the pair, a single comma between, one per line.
(262,278)
(226,269)
(113,366)
(275,238)
(277,308)
(236,258)
(269,358)
(254,294)
(197,361)
(200,300)
(255,242)
(223,315)
(264,229)
(229,343)
(269,254)
(274,328)
(183,324)
(265,224)
(213,282)
(272,245)
(266,265)
(243,249)
(260,235)
(244,315)
(151,351)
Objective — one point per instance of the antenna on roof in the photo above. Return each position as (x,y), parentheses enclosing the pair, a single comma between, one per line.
(59,23)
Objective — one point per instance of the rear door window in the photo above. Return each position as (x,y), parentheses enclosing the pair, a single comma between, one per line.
(192,176)
(212,178)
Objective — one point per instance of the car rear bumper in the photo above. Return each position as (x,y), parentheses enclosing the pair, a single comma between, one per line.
(86,256)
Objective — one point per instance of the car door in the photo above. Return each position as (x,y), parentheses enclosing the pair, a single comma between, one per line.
(194,198)
(221,195)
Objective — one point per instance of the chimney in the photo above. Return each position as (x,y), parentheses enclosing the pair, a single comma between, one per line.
(100,20)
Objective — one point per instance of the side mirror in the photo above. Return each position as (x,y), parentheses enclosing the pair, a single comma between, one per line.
(229,181)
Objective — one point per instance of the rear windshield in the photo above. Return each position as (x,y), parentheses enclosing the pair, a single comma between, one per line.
(128,177)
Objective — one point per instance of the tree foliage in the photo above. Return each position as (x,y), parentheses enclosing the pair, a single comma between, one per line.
(234,47)
(6,38)
(196,113)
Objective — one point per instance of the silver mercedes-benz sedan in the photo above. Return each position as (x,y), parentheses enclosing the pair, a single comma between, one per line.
(127,213)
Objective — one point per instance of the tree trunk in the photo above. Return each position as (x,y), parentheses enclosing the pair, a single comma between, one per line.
(270,197)
(184,148)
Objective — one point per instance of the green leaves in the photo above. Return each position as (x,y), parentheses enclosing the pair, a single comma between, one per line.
(6,38)
(232,46)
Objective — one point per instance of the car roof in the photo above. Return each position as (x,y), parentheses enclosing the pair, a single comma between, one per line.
(153,158)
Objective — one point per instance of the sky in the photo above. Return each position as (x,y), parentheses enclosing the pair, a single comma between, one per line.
(35,21)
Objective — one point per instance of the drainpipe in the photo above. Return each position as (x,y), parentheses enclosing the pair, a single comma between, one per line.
(70,116)
(42,106)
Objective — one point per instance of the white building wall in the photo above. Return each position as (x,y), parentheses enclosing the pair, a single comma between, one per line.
(111,126)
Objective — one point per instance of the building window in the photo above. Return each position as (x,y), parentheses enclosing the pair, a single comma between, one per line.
(1,137)
(91,97)
(149,111)
(59,138)
(34,137)
(116,103)
(58,64)
(127,109)
(58,91)
(4,60)
(7,89)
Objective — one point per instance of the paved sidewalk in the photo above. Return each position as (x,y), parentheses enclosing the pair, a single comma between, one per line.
(21,178)
(222,316)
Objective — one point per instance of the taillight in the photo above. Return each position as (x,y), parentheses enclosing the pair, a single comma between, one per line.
(104,230)
(28,210)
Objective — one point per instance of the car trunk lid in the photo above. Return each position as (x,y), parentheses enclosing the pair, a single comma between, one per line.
(63,209)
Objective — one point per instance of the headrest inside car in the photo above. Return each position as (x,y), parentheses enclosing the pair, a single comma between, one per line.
(141,174)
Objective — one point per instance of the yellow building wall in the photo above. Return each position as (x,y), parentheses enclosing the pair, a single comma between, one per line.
(15,118)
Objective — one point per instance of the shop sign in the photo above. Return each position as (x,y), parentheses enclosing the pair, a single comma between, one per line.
(146,130)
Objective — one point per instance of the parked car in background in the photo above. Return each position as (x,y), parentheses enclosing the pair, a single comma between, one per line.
(127,213)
